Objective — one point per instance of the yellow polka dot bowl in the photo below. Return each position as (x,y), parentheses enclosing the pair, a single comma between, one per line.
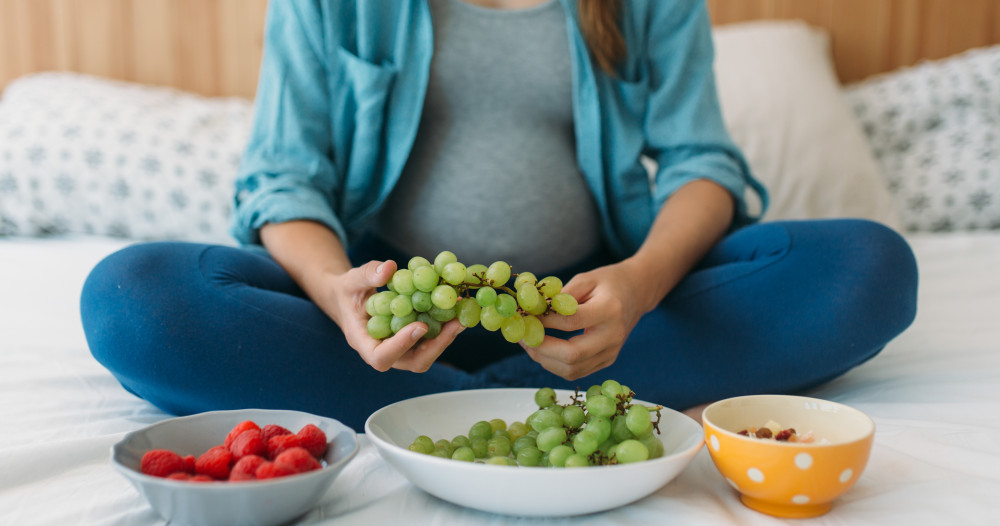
(781,478)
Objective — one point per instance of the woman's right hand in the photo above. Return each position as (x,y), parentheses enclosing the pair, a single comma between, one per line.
(343,298)
(315,258)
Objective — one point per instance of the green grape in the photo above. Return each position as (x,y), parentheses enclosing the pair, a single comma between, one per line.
(545,397)
(440,453)
(550,286)
(573,416)
(454,273)
(473,273)
(544,419)
(389,286)
(464,453)
(370,305)
(524,278)
(523,442)
(401,306)
(506,305)
(433,326)
(443,315)
(383,302)
(629,451)
(620,430)
(594,390)
(402,281)
(498,424)
(379,326)
(444,444)
(564,304)
(460,441)
(611,389)
(468,312)
(481,429)
(529,457)
(638,421)
(559,454)
(501,461)
(550,437)
(503,433)
(498,273)
(427,442)
(498,446)
(444,297)
(606,447)
(479,446)
(585,442)
(425,278)
(512,328)
(557,409)
(534,331)
(601,405)
(600,424)
(653,445)
(417,262)
(517,430)
(486,296)
(577,460)
(421,301)
(490,318)
(416,448)
(397,323)
(442,259)
(528,297)
(538,309)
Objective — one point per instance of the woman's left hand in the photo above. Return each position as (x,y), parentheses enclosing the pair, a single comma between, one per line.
(611,304)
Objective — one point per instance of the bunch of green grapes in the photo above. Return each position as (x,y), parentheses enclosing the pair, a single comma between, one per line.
(434,293)
(605,428)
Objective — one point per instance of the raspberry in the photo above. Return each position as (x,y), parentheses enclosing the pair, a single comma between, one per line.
(215,463)
(248,442)
(313,439)
(201,478)
(246,467)
(235,432)
(189,463)
(280,443)
(161,463)
(270,470)
(297,459)
(273,430)
(178,475)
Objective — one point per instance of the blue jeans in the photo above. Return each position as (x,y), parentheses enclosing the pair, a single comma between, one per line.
(774,307)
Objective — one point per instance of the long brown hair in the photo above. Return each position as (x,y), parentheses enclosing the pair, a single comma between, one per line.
(599,24)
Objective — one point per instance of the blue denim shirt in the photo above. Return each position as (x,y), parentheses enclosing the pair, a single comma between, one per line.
(341,90)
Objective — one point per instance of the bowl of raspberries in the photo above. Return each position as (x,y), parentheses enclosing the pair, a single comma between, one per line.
(252,466)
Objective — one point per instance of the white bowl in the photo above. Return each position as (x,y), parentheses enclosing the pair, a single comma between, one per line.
(519,490)
(263,502)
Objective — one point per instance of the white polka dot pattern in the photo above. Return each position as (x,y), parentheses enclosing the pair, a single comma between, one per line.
(803,461)
(755,475)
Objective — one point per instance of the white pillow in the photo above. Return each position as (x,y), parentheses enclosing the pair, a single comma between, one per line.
(935,128)
(85,155)
(785,109)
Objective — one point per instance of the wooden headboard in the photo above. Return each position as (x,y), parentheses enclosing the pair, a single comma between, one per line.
(213,47)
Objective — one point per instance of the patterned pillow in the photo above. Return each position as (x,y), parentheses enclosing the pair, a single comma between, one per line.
(935,129)
(84,155)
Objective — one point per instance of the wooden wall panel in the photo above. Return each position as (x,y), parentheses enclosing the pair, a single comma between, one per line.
(873,36)
(213,47)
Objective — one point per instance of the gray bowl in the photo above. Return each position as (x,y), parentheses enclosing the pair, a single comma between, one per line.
(263,502)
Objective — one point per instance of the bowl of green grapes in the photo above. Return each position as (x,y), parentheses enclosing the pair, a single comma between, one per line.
(536,452)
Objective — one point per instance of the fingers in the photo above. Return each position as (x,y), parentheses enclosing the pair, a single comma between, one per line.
(422,356)
(574,358)
(383,355)
(376,274)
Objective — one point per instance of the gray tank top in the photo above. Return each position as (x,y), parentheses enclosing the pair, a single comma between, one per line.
(493,173)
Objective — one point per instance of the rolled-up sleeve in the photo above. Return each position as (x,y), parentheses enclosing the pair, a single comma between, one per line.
(287,171)
(683,123)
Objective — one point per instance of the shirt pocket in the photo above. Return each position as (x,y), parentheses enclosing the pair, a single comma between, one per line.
(361,91)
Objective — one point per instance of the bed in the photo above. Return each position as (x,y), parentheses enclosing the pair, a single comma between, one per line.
(862,119)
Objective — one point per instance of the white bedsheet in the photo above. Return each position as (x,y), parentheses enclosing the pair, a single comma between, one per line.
(934,394)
